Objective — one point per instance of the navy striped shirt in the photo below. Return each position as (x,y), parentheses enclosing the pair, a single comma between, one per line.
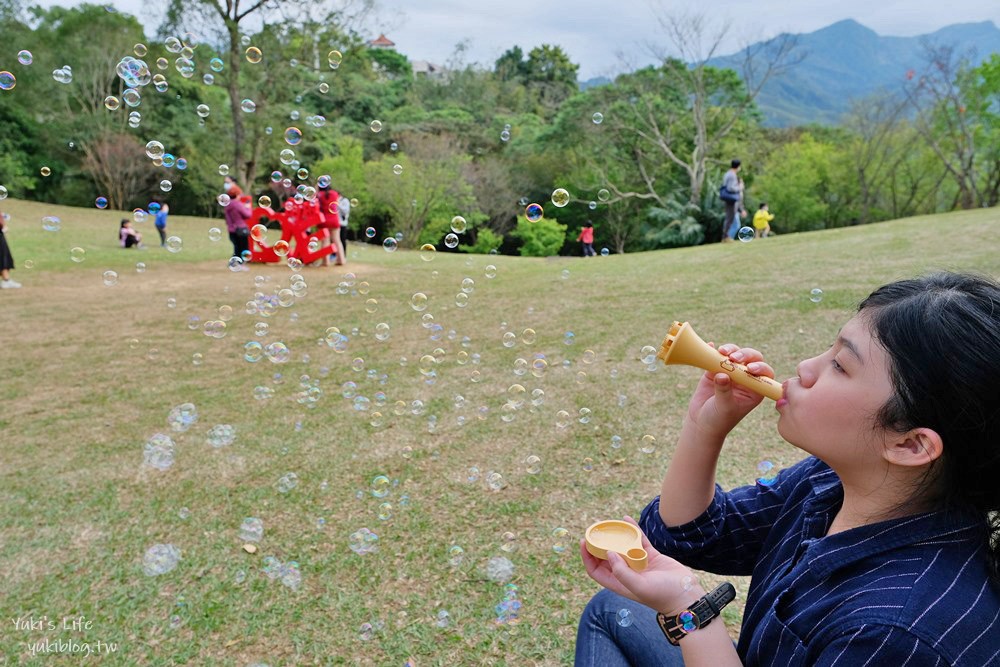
(914,591)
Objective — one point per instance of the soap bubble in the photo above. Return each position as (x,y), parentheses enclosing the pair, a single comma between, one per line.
(560,197)
(390,244)
(363,542)
(768,473)
(397,169)
(110,278)
(418,301)
(25,57)
(603,194)
(370,232)
(334,58)
(533,212)
(647,444)
(3,193)
(495,481)
(533,465)
(746,234)
(816,295)
(221,435)
(264,201)
(505,135)
(254,55)
(45,171)
(499,569)
(605,252)
(252,530)
(458,224)
(560,538)
(375,126)
(647,355)
(182,417)
(214,234)
(286,156)
(624,618)
(112,103)
(154,150)
(7,80)
(451,240)
(380,486)
(174,244)
(598,118)
(101,202)
(427,252)
(287,482)
(160,559)
(77,254)
(248,106)
(158,452)
(293,136)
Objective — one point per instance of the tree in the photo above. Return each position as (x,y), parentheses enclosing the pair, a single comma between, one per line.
(429,183)
(120,168)
(229,16)
(715,103)
(949,116)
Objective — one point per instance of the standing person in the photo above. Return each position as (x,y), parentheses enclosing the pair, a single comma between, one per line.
(128,237)
(344,208)
(879,548)
(237,214)
(762,221)
(731,194)
(6,259)
(161,223)
(330,212)
(586,238)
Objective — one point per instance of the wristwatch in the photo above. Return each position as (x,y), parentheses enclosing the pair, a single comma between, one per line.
(697,615)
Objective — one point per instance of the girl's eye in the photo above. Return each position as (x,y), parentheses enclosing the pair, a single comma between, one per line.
(836,366)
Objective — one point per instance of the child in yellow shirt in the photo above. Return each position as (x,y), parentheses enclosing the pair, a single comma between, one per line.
(761,220)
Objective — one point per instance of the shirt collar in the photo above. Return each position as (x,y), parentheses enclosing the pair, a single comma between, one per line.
(843,549)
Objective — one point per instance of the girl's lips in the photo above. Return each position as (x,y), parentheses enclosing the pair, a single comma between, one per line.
(783,401)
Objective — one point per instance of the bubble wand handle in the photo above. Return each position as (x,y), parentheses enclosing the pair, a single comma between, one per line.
(683,346)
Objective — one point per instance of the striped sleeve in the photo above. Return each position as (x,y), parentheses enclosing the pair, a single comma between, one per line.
(727,538)
(874,645)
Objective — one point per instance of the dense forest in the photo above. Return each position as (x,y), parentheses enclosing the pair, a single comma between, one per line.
(84,90)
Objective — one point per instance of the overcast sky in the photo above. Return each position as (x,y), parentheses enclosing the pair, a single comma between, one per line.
(607,36)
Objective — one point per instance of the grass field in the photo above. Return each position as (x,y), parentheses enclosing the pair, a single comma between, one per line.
(90,373)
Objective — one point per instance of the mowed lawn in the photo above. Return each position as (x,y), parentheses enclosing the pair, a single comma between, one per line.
(90,372)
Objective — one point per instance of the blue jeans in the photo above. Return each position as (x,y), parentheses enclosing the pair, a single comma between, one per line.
(601,641)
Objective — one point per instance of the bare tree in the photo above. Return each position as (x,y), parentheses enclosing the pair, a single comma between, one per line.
(938,99)
(882,142)
(691,136)
(120,167)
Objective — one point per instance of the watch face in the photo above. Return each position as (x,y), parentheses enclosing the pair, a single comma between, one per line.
(688,620)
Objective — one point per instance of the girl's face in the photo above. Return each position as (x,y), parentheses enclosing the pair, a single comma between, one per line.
(828,410)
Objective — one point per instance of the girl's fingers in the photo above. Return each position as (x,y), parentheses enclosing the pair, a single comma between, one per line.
(760,368)
(745,355)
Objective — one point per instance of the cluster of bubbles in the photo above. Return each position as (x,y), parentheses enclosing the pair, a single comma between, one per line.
(287,573)
(508,609)
(363,541)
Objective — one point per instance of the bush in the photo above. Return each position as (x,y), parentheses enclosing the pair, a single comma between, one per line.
(486,240)
(540,239)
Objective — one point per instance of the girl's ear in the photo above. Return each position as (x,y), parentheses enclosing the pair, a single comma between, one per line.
(915,448)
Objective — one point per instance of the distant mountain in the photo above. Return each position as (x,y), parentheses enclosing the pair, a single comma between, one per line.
(596,81)
(846,60)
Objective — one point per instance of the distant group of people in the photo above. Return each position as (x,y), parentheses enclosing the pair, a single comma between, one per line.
(334,214)
(732,195)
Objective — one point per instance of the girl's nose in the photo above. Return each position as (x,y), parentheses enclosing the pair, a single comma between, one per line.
(807,371)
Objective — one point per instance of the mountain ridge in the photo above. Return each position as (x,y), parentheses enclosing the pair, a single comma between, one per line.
(847,60)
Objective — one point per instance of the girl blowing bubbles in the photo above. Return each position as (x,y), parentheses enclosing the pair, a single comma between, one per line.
(880,548)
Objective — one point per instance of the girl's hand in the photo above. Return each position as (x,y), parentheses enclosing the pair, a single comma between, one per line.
(719,404)
(665,585)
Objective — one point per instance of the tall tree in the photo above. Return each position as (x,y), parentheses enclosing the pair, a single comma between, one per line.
(228,19)
(717,101)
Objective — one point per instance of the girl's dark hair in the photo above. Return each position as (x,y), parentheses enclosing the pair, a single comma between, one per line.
(942,336)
